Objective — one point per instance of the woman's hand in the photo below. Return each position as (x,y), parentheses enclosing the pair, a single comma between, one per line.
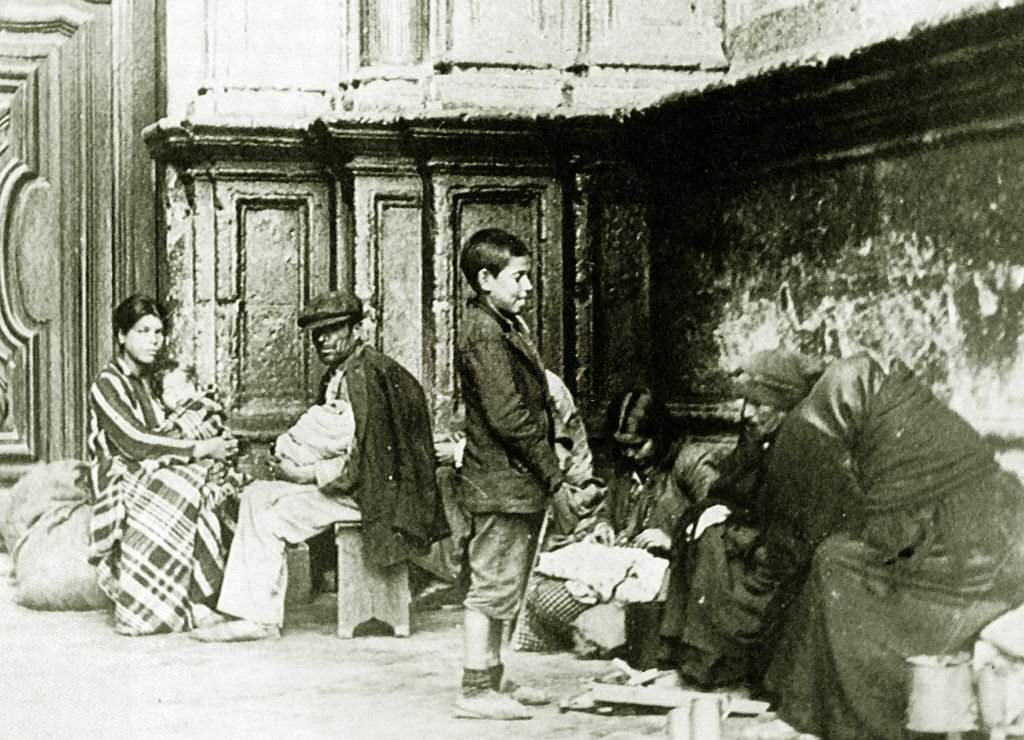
(602,534)
(709,518)
(218,448)
(653,539)
(289,471)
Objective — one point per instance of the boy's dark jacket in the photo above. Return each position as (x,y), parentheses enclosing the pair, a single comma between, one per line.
(509,464)
(391,474)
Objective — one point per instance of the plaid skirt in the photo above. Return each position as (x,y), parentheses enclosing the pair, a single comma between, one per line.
(547,617)
(159,540)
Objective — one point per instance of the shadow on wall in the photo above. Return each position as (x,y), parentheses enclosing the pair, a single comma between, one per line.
(894,295)
(916,257)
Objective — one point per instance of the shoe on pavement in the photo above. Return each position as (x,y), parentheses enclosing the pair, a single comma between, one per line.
(528,696)
(490,704)
(240,630)
(204,616)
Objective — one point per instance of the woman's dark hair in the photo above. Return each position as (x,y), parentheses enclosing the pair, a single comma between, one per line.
(133,308)
(636,412)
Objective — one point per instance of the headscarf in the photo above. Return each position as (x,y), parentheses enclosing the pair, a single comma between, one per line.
(778,377)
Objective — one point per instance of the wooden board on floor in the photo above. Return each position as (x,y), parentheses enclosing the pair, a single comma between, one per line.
(666,697)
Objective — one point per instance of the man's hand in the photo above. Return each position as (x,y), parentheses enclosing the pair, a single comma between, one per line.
(289,471)
(653,539)
(444,452)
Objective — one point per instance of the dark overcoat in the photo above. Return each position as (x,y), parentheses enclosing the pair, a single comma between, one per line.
(509,464)
(391,474)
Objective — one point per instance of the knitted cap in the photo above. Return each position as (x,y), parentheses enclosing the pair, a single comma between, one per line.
(777,377)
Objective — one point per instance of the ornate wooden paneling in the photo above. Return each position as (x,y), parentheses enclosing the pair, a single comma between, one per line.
(59,253)
(542,33)
(136,92)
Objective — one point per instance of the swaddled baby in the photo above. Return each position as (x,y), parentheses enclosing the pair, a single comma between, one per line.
(191,412)
(196,414)
(323,432)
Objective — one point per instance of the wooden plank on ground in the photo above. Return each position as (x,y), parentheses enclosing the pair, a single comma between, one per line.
(666,697)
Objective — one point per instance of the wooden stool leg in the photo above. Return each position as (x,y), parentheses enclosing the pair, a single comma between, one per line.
(391,597)
(367,592)
(354,599)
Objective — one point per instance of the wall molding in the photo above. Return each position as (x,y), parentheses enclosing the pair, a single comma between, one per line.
(944,84)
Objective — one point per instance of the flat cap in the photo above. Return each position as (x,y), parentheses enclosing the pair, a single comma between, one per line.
(330,308)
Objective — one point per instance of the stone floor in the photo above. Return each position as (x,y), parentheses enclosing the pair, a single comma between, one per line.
(67,675)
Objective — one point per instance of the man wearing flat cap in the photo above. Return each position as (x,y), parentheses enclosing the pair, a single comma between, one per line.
(386,479)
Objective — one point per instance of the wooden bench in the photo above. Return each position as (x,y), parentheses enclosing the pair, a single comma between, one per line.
(365,591)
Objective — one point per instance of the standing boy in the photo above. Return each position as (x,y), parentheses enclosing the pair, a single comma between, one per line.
(510,472)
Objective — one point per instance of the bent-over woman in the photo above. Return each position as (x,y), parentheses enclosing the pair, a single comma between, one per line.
(157,532)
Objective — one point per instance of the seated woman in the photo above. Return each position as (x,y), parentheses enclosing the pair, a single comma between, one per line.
(912,536)
(157,522)
(718,621)
(888,531)
(655,479)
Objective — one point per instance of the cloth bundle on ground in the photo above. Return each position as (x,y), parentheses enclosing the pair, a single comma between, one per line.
(323,432)
(597,581)
(45,525)
(598,573)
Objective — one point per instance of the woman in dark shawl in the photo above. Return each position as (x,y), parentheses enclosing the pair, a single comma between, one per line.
(911,533)
(718,619)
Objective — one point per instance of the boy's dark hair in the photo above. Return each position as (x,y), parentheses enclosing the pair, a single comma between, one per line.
(491,250)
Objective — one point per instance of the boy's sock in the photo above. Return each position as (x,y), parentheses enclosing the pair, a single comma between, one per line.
(496,673)
(475,681)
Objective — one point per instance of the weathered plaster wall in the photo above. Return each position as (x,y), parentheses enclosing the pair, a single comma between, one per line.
(917,256)
(618,228)
(762,34)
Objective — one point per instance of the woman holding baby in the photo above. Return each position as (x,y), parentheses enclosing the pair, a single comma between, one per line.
(158,523)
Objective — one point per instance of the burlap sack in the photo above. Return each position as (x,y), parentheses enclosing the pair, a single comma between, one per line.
(51,569)
(44,487)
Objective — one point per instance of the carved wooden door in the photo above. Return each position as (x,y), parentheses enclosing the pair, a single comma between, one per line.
(76,211)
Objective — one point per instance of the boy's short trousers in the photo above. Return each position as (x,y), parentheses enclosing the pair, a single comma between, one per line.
(500,553)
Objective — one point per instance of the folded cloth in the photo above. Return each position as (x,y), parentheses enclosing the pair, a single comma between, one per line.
(1007,632)
(624,573)
(1000,684)
(323,432)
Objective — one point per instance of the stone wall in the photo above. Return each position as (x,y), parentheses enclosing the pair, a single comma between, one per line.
(916,256)
(869,206)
